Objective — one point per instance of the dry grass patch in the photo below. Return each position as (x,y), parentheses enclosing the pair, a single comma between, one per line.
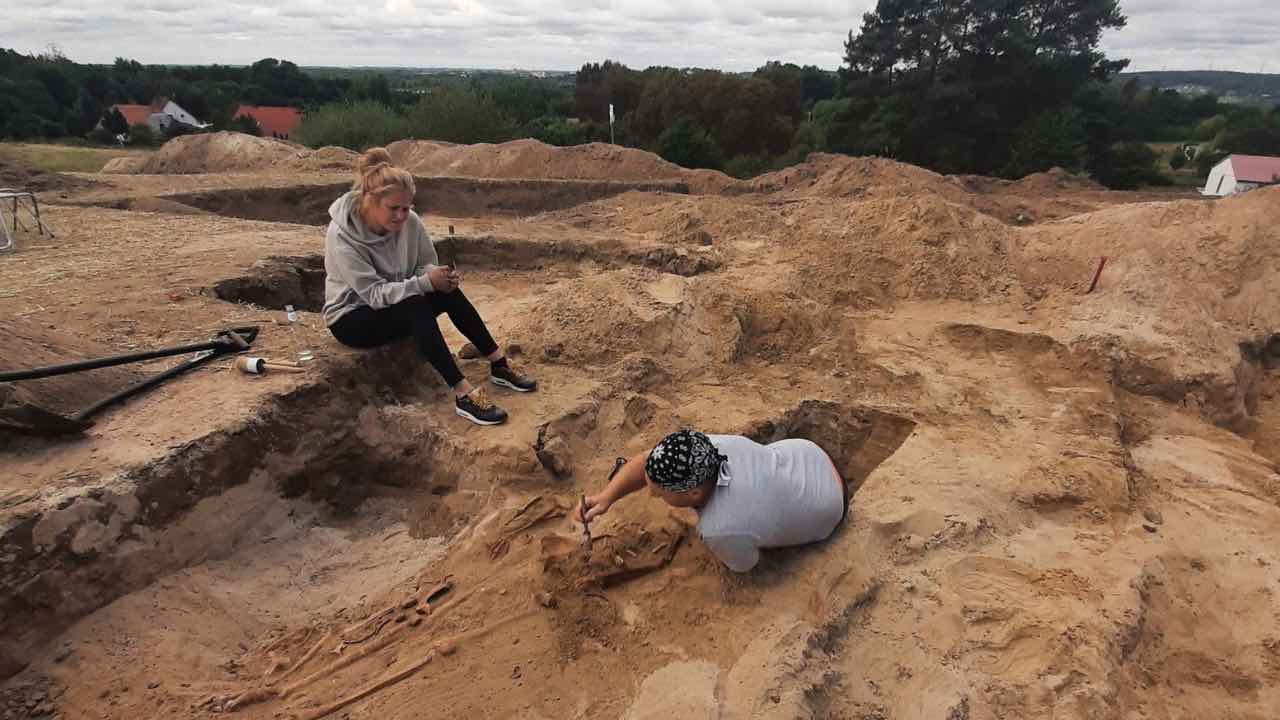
(49,157)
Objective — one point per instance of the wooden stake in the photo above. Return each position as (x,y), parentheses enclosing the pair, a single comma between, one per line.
(1101,264)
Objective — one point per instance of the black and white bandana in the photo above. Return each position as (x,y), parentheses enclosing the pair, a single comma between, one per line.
(683,461)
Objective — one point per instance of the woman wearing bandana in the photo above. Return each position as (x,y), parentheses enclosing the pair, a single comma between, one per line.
(748,496)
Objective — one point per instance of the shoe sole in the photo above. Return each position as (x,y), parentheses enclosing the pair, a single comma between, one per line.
(476,420)
(513,386)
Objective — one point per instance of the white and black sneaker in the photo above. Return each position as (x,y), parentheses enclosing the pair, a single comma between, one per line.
(476,407)
(501,373)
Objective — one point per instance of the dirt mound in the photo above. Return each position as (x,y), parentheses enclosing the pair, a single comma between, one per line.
(1035,198)
(595,319)
(842,176)
(534,159)
(1182,293)
(233,152)
(1055,180)
(126,165)
(872,251)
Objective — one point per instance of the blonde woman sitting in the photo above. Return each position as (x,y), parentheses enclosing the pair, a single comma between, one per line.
(384,283)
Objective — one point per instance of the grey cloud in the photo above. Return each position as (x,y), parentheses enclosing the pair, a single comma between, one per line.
(563,34)
(1185,35)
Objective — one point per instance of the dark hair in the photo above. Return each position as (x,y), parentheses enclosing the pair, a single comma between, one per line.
(683,461)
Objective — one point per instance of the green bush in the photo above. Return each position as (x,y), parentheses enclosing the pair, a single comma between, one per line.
(358,125)
(1051,139)
(457,114)
(687,144)
(1128,166)
(1178,158)
(745,167)
(102,136)
(1208,129)
(246,124)
(141,134)
(559,131)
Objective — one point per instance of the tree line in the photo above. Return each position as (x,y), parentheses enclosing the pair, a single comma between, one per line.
(47,95)
(963,86)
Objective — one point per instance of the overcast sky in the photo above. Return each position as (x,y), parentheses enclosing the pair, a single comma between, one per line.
(563,34)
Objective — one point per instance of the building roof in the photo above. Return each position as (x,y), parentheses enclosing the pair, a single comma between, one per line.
(275,121)
(134,114)
(1255,168)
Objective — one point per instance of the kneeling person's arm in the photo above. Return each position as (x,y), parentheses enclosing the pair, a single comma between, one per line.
(629,479)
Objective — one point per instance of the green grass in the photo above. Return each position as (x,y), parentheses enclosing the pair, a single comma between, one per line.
(49,157)
(1187,177)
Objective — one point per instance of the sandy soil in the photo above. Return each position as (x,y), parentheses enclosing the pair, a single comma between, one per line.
(1067,504)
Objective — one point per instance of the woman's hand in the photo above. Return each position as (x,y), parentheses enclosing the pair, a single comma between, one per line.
(443,279)
(597,505)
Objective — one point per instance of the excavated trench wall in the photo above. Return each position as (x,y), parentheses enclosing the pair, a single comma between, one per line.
(446,196)
(75,553)
(278,281)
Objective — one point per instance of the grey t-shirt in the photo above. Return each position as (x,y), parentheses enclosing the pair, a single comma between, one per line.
(776,495)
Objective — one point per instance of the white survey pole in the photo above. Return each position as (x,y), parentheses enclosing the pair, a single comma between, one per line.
(611,141)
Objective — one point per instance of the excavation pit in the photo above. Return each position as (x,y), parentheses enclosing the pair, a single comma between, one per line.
(858,439)
(279,281)
(323,451)
(441,196)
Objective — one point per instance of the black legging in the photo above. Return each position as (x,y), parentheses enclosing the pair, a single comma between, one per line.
(365,327)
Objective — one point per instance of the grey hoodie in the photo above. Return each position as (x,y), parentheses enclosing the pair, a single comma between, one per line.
(364,269)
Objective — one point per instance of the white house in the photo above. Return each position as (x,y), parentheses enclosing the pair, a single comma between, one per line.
(1241,173)
(175,111)
(160,115)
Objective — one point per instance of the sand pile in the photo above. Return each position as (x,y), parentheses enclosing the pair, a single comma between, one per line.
(876,250)
(533,159)
(919,247)
(1184,285)
(841,176)
(233,152)
(594,320)
(128,165)
(1055,180)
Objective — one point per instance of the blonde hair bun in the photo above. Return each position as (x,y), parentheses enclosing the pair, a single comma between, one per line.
(376,176)
(370,162)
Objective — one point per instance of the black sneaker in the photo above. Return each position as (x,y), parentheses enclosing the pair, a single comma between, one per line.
(477,408)
(501,373)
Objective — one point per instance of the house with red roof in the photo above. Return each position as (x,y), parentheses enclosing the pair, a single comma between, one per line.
(134,114)
(1241,173)
(273,121)
(160,115)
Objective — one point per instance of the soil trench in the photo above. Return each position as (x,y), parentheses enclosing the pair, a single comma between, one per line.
(446,196)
